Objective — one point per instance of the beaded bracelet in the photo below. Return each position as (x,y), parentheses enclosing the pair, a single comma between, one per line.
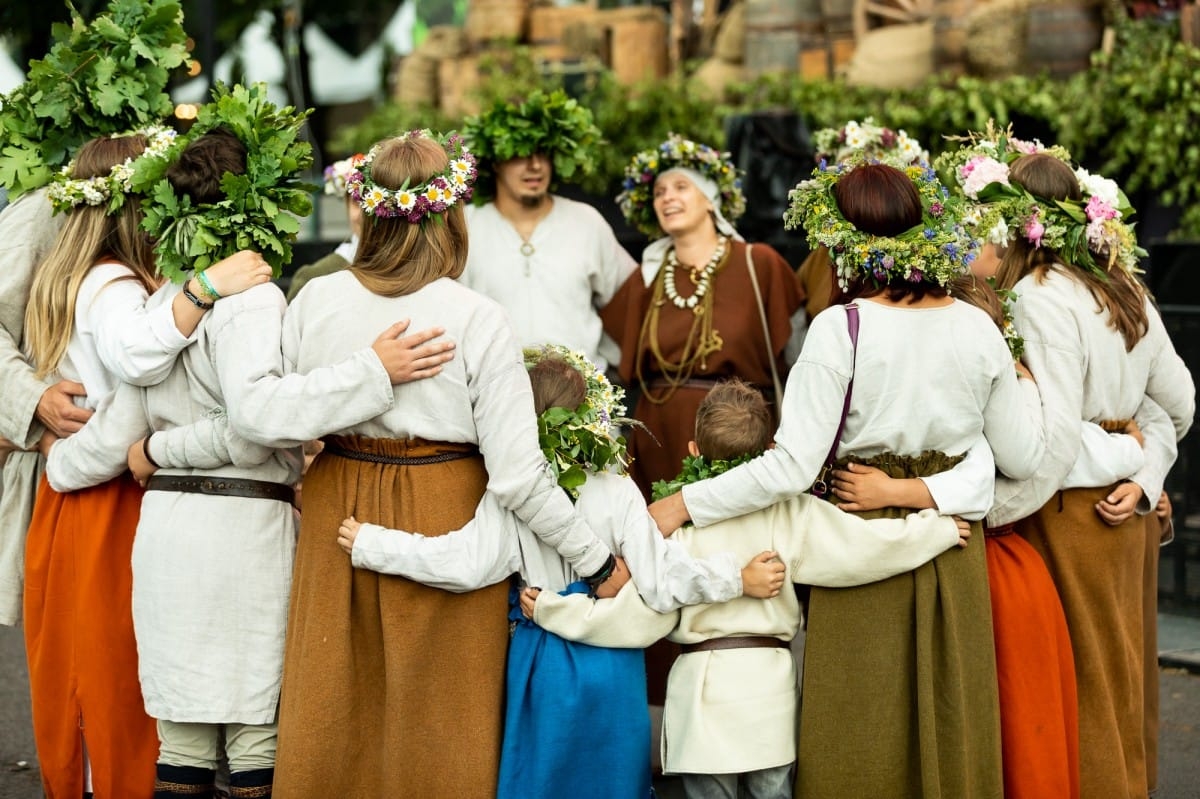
(207,285)
(194,300)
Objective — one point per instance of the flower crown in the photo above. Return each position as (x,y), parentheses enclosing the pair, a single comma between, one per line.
(937,250)
(551,123)
(415,203)
(581,441)
(637,196)
(889,147)
(1083,231)
(259,209)
(66,192)
(337,172)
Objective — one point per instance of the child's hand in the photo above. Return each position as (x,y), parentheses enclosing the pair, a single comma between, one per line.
(139,464)
(413,357)
(863,488)
(763,576)
(528,600)
(964,531)
(615,582)
(1120,504)
(240,271)
(347,533)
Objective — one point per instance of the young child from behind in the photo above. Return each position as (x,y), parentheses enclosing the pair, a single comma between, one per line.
(729,723)
(555,687)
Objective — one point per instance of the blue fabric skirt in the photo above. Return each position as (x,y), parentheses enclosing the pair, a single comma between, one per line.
(576,723)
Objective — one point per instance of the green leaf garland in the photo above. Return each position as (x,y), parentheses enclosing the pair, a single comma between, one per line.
(261,208)
(103,77)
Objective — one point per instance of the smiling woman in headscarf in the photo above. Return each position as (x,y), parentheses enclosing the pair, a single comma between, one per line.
(690,317)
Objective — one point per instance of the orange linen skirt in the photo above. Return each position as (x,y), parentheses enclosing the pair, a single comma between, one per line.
(83,674)
(1039,713)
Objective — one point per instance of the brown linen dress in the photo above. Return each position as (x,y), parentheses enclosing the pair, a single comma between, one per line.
(410,679)
(659,450)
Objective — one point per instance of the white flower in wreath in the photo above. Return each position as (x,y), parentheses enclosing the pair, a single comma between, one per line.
(999,233)
(405,200)
(1099,186)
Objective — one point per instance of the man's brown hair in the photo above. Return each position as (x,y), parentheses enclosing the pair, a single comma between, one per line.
(733,420)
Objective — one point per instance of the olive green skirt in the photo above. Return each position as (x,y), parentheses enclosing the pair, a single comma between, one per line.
(899,692)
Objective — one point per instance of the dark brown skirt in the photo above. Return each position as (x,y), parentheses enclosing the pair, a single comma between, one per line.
(1098,569)
(899,694)
(390,688)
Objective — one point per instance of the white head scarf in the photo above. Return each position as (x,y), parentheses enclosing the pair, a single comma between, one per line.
(656,251)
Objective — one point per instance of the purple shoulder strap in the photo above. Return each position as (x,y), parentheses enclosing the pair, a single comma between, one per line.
(852,323)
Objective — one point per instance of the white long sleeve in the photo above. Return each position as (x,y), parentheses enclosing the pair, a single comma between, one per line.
(934,378)
(969,486)
(1104,458)
(97,453)
(207,443)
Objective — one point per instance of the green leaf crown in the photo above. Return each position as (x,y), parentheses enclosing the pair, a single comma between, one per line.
(260,208)
(637,196)
(937,250)
(582,441)
(550,123)
(101,77)
(695,469)
(1090,233)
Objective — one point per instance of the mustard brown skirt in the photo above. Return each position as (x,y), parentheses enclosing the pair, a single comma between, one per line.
(390,688)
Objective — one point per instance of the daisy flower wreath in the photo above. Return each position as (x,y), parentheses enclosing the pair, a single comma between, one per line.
(337,172)
(637,196)
(582,441)
(937,250)
(894,148)
(261,208)
(1090,233)
(66,192)
(415,203)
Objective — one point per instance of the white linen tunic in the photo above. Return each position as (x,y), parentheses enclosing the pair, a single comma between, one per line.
(211,574)
(935,378)
(732,711)
(481,397)
(551,295)
(28,229)
(496,543)
(1084,372)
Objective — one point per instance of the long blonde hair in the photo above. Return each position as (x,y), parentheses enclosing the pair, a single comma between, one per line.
(1122,296)
(88,235)
(397,257)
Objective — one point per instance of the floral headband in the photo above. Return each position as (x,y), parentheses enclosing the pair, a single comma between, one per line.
(581,441)
(66,192)
(894,148)
(416,203)
(1083,231)
(937,250)
(637,196)
(337,173)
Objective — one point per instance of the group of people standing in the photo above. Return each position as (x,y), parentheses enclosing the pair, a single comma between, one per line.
(988,354)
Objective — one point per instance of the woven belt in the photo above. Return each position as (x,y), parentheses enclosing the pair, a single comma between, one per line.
(1004,529)
(736,642)
(396,460)
(222,487)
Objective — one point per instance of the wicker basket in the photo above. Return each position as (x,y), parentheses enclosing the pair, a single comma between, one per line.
(495,20)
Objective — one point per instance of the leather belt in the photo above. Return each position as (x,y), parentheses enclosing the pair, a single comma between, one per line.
(736,642)
(222,487)
(397,460)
